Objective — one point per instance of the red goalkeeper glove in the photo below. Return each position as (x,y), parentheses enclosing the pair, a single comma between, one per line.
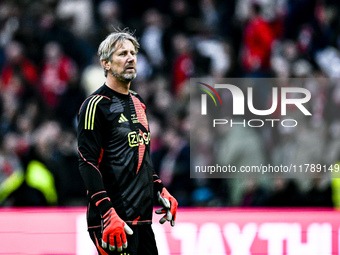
(114,229)
(169,204)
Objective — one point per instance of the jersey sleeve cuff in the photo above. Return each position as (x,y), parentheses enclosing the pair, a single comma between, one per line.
(102,202)
(157,186)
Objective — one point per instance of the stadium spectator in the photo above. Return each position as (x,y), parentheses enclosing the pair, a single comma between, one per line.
(240,146)
(183,66)
(12,172)
(319,194)
(254,193)
(58,70)
(18,69)
(152,38)
(258,39)
(284,193)
(174,166)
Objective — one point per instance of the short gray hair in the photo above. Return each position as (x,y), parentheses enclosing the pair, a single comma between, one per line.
(108,46)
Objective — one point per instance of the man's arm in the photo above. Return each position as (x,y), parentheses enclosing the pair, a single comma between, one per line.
(91,121)
(89,136)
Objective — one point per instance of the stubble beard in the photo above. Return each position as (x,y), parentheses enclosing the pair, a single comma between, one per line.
(125,78)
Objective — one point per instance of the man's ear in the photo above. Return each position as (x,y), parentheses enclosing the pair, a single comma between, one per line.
(106,64)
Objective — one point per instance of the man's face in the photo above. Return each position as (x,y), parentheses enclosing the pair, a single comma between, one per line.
(124,61)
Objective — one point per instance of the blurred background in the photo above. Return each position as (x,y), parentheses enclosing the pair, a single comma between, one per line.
(48,66)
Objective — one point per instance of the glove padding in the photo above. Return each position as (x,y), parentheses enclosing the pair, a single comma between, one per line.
(169,204)
(114,228)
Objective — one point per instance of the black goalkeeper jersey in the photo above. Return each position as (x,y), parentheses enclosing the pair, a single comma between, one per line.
(114,156)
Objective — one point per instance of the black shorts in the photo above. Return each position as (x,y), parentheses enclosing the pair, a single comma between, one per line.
(142,242)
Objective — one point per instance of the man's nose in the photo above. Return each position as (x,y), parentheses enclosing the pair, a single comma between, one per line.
(131,57)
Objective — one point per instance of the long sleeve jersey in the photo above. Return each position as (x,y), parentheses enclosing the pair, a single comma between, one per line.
(114,157)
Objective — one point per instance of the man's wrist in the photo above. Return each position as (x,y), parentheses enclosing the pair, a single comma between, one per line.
(102,201)
(104,206)
(158,186)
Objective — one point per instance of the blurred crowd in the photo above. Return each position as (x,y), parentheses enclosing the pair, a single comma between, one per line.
(48,66)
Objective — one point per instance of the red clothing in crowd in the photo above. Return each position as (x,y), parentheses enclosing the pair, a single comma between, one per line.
(56,75)
(25,69)
(182,70)
(258,39)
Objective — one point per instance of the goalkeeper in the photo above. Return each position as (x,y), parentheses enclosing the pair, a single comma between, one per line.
(114,157)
